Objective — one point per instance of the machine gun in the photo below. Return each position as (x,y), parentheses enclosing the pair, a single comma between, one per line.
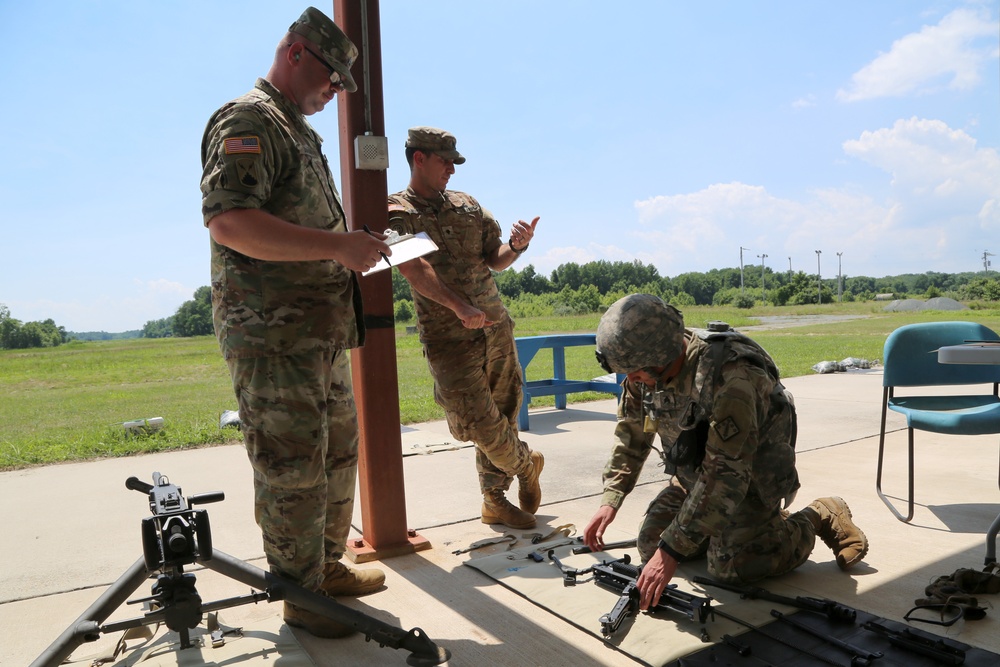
(832,609)
(620,576)
(177,535)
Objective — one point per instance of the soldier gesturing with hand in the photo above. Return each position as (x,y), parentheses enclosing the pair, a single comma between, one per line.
(466,331)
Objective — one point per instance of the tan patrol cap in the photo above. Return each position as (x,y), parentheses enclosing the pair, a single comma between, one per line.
(337,50)
(433,140)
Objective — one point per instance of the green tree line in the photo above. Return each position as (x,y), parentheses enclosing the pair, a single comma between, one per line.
(587,288)
(15,335)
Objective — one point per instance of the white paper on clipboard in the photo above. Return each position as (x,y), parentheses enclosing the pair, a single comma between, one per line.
(409,246)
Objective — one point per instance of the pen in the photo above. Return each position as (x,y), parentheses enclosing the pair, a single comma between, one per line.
(368,231)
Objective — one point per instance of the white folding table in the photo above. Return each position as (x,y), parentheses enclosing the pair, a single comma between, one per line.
(986,353)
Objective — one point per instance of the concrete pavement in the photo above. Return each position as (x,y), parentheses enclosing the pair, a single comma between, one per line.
(71,530)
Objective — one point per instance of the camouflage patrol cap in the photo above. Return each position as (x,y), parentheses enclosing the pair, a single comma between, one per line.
(433,140)
(337,50)
(639,331)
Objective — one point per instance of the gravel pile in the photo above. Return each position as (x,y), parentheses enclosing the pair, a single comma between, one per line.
(937,303)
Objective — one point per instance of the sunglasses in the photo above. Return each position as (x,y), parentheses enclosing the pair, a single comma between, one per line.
(335,78)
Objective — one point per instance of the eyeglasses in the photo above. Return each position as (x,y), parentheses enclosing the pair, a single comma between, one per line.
(335,78)
(603,361)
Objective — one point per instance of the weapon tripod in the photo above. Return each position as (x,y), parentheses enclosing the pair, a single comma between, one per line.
(176,536)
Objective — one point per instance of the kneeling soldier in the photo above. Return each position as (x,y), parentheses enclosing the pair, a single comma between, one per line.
(727,429)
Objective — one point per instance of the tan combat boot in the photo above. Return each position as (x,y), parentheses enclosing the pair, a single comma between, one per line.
(315,624)
(497,509)
(831,517)
(529,491)
(339,579)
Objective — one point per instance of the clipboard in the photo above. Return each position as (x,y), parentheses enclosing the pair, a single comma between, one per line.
(404,248)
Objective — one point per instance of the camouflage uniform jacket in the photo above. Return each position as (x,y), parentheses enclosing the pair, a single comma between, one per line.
(466,235)
(258,152)
(746,424)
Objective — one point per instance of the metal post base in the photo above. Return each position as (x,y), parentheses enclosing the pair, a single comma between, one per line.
(89,626)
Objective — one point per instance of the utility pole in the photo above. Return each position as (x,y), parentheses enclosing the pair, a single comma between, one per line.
(763,290)
(819,280)
(373,367)
(741,268)
(840,280)
(789,270)
(986,262)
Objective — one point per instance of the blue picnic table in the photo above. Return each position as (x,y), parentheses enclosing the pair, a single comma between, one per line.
(558,385)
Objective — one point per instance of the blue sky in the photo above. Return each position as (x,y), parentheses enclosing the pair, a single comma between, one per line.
(670,132)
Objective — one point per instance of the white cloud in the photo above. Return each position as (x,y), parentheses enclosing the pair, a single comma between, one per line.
(950,54)
(804,102)
(929,160)
(942,204)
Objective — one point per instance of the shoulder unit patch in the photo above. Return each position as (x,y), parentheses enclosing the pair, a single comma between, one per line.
(726,429)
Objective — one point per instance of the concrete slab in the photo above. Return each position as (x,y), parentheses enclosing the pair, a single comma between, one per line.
(72,530)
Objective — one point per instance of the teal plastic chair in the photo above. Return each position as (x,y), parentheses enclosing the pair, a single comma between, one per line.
(910,360)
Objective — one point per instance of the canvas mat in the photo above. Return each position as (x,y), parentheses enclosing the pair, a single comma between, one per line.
(654,639)
(262,641)
(669,638)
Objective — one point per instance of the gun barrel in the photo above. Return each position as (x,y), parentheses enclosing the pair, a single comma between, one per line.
(833,610)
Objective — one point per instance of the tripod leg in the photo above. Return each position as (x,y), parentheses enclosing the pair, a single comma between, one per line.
(87,627)
(423,650)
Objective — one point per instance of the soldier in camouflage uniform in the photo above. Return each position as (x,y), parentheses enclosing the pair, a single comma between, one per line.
(287,308)
(727,428)
(467,334)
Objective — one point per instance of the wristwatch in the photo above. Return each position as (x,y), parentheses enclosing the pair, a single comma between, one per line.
(510,242)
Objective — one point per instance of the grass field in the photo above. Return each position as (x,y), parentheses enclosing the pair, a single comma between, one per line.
(68,403)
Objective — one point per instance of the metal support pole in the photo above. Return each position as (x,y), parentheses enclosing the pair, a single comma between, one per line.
(840,280)
(376,390)
(741,268)
(819,280)
(763,289)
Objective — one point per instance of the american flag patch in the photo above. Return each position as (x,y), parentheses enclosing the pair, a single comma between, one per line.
(242,145)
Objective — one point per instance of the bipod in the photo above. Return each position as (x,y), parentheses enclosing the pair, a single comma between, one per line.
(181,609)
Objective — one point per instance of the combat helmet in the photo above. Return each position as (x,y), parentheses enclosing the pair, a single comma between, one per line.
(639,331)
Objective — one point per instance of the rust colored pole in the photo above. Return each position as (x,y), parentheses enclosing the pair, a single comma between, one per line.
(376,390)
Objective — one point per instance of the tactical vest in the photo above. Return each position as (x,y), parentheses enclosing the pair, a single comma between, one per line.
(774,480)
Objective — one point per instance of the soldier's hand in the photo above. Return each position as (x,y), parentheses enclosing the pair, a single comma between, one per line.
(656,574)
(360,250)
(472,317)
(521,234)
(593,534)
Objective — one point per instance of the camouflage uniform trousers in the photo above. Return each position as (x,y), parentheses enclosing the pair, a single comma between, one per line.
(300,427)
(478,384)
(759,541)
